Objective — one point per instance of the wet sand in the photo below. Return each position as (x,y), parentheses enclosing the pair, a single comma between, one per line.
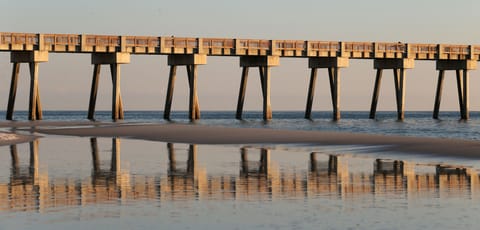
(12,138)
(197,134)
(9,135)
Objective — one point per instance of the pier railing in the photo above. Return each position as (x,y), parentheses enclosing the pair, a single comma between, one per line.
(454,51)
(252,47)
(422,51)
(18,41)
(78,43)
(137,44)
(323,48)
(289,48)
(218,46)
(358,49)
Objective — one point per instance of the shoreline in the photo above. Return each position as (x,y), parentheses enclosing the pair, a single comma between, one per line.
(200,134)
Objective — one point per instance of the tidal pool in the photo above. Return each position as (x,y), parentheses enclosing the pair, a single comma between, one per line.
(61,182)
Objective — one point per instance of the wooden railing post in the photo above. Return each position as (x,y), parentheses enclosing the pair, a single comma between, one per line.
(273,48)
(236,45)
(342,52)
(471,55)
(408,51)
(123,44)
(41,41)
(440,51)
(200,46)
(83,42)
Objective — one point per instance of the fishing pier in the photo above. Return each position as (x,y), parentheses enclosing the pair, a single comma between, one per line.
(114,51)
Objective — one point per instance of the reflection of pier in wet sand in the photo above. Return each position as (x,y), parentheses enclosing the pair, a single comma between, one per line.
(29,188)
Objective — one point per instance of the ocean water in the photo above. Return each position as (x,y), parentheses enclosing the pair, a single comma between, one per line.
(64,182)
(415,124)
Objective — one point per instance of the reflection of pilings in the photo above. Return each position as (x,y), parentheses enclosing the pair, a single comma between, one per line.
(14,155)
(323,177)
(249,169)
(184,179)
(399,174)
(450,170)
(313,162)
(452,179)
(332,164)
(113,174)
(318,167)
(171,157)
(389,176)
(34,160)
(264,160)
(21,176)
(191,161)
(327,176)
(388,167)
(256,179)
(244,160)
(95,158)
(26,189)
(115,162)
(110,183)
(333,176)
(474,182)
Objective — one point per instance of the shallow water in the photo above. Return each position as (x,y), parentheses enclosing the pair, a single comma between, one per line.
(415,123)
(61,182)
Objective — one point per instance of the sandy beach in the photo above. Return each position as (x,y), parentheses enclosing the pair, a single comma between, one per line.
(198,134)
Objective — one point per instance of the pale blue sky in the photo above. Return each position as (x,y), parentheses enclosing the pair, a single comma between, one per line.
(65,79)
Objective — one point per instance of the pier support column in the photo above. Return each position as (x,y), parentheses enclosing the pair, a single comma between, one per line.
(114,60)
(263,63)
(398,66)
(33,58)
(438,94)
(461,68)
(190,61)
(333,64)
